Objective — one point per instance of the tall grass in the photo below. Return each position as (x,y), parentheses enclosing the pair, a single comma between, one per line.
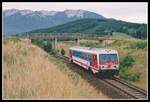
(86,91)
(29,74)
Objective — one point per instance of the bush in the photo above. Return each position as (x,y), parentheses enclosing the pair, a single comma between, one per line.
(45,44)
(125,63)
(63,52)
(135,76)
(139,45)
(52,52)
(90,44)
(130,77)
(37,42)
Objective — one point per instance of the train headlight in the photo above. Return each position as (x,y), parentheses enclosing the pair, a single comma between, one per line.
(116,67)
(102,67)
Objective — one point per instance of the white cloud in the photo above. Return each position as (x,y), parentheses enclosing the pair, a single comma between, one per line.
(128,11)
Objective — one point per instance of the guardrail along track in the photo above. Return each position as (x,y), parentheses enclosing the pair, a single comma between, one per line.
(130,90)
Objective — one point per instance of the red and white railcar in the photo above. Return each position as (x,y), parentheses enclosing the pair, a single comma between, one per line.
(98,60)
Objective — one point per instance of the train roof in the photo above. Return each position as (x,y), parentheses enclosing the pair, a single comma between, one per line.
(93,50)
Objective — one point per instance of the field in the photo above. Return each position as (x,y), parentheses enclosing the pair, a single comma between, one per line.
(125,45)
(31,73)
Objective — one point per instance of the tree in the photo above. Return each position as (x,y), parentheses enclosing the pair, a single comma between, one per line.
(47,45)
(63,52)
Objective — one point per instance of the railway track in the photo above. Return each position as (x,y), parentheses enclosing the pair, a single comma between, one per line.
(130,90)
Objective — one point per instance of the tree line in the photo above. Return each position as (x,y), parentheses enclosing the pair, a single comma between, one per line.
(99,27)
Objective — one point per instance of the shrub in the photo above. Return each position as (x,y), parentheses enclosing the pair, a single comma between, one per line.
(52,52)
(37,42)
(135,76)
(90,44)
(63,52)
(47,45)
(138,45)
(141,45)
(130,77)
(44,44)
(125,63)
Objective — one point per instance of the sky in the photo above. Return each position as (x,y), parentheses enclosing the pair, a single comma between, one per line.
(127,11)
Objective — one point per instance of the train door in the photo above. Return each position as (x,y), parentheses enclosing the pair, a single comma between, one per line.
(94,61)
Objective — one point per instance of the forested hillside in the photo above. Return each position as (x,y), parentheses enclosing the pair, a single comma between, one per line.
(99,27)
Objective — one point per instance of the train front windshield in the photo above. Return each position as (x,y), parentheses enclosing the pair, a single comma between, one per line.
(108,58)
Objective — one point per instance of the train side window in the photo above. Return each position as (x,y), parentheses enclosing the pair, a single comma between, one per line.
(73,53)
(76,53)
(87,56)
(83,54)
(90,57)
(80,55)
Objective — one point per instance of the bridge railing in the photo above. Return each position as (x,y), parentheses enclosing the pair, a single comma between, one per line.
(62,36)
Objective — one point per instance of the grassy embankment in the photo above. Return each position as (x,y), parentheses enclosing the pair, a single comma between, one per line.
(31,73)
(126,45)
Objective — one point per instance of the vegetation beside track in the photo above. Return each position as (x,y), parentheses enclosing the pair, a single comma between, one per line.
(128,48)
(31,73)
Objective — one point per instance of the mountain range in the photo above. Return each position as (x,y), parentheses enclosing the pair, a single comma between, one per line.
(18,21)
